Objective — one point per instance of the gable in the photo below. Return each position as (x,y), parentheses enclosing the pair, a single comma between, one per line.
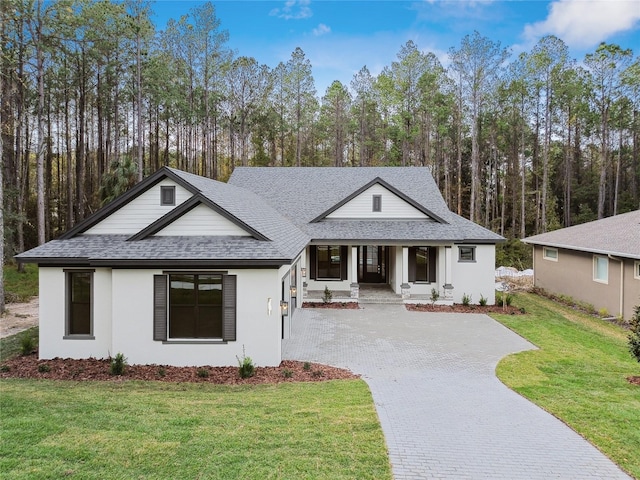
(202,220)
(141,211)
(391,206)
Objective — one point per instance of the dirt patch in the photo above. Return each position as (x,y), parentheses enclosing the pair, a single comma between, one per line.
(332,305)
(459,308)
(19,317)
(634,380)
(98,369)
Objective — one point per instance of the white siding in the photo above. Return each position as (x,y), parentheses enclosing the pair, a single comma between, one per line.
(474,278)
(52,317)
(258,333)
(362,206)
(139,212)
(202,220)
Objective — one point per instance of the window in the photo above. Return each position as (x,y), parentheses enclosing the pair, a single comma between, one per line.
(636,270)
(466,254)
(600,269)
(329,260)
(167,195)
(79,303)
(196,306)
(422,264)
(377,203)
(550,254)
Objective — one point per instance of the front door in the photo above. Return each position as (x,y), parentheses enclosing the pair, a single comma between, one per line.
(372,264)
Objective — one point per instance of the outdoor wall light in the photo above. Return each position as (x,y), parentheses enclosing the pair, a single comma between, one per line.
(303,272)
(284,308)
(293,290)
(269,306)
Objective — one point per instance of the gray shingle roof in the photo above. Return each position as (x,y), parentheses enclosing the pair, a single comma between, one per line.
(618,235)
(304,193)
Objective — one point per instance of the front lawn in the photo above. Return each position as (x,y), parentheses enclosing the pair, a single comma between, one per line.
(149,430)
(578,374)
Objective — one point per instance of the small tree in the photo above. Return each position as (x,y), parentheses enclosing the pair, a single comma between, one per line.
(327,295)
(634,336)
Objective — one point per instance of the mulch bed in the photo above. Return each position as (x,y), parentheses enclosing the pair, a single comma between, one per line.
(634,380)
(98,369)
(333,305)
(459,308)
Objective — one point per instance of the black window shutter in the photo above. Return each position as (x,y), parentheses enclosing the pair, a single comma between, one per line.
(229,307)
(160,307)
(312,262)
(344,257)
(412,264)
(432,264)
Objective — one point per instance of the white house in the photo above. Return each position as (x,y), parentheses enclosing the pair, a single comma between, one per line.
(184,270)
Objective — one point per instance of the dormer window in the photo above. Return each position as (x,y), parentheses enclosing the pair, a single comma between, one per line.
(377,203)
(168,195)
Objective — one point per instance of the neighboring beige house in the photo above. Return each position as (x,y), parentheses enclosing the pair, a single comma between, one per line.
(596,262)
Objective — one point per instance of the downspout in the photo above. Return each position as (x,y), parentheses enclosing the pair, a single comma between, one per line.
(621,282)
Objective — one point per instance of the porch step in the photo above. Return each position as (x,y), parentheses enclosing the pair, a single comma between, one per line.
(386,301)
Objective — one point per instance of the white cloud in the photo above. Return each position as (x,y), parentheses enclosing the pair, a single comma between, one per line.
(293,10)
(583,24)
(321,29)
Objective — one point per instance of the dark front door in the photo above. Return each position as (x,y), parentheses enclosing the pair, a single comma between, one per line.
(372,264)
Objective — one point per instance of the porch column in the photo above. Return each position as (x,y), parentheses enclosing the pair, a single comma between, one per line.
(354,287)
(448,287)
(404,288)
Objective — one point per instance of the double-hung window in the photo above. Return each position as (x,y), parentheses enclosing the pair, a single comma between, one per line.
(79,304)
(422,264)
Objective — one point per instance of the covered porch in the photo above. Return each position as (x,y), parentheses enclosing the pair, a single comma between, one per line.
(380,272)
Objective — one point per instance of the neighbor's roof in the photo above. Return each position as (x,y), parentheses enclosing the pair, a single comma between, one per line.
(304,194)
(275,240)
(618,235)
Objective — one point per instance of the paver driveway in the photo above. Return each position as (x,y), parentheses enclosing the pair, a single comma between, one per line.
(443,412)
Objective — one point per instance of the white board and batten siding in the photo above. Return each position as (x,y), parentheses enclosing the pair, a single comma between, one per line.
(139,212)
(202,220)
(361,206)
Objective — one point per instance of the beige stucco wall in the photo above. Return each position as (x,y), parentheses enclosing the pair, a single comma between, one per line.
(572,275)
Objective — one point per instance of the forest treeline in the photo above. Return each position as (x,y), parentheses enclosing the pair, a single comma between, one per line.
(94,97)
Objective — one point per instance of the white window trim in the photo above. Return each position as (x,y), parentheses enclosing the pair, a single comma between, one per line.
(595,262)
(636,269)
(549,249)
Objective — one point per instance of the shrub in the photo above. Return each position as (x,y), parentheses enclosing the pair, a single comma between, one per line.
(466,299)
(5,368)
(27,344)
(287,373)
(317,373)
(118,364)
(435,295)
(327,295)
(634,335)
(162,371)
(246,368)
(202,372)
(44,368)
(306,366)
(482,301)
(603,312)
(508,299)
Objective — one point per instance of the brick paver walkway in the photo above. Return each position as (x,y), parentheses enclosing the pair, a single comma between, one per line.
(443,412)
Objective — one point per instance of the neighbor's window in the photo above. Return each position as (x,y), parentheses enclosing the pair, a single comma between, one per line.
(466,254)
(195,306)
(550,254)
(79,303)
(600,269)
(377,203)
(168,195)
(636,270)
(329,262)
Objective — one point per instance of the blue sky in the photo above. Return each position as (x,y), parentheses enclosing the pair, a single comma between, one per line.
(340,37)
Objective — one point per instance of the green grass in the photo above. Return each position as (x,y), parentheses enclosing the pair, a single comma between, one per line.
(578,374)
(20,287)
(10,346)
(148,430)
